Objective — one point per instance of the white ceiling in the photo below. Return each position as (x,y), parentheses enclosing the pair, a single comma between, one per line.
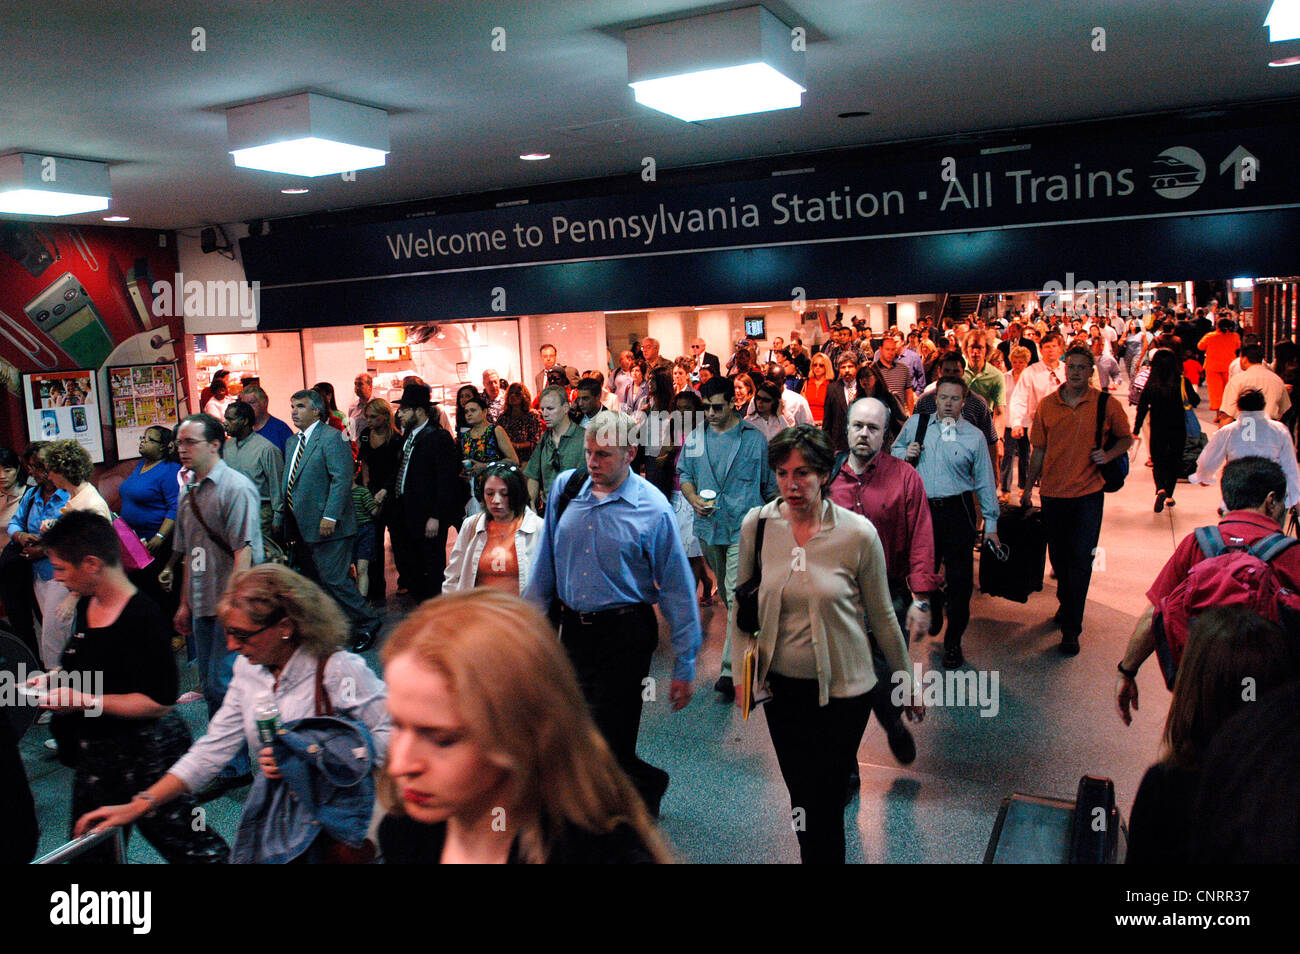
(122,84)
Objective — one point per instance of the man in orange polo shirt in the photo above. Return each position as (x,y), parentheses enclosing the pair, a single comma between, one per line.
(1067,458)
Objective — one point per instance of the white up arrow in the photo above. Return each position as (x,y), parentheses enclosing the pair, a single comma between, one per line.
(1247,166)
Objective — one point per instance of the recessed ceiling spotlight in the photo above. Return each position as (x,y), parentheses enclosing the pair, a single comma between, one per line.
(534,156)
(294,191)
(854,114)
(117,218)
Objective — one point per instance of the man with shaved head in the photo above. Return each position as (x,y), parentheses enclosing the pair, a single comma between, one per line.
(890,494)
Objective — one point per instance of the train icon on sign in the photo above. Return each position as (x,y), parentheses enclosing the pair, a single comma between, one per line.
(1177,172)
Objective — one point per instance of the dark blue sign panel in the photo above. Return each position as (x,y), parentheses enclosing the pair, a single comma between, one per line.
(1025,185)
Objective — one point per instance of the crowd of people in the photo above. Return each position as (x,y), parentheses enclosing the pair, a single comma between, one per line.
(877,461)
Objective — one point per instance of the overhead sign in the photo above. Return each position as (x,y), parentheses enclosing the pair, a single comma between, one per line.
(1058,181)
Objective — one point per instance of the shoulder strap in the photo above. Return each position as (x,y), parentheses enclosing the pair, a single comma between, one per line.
(323,704)
(1102,398)
(572,488)
(1210,540)
(198,515)
(1271,546)
(921,427)
(840,460)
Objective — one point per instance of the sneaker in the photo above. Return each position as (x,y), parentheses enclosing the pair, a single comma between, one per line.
(52,745)
(44,718)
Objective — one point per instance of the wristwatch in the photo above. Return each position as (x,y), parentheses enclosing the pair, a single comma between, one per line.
(922,605)
(1124,672)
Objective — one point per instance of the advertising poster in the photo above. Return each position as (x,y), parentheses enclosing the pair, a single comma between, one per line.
(63,405)
(80,299)
(142,395)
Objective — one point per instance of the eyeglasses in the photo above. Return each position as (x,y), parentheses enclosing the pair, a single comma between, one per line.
(190,442)
(241,637)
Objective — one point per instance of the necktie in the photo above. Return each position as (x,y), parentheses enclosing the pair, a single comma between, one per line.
(299,453)
(401,471)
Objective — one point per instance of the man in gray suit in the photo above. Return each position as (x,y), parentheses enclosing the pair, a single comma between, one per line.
(319,517)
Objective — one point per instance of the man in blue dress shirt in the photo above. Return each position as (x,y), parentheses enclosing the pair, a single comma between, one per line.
(613,552)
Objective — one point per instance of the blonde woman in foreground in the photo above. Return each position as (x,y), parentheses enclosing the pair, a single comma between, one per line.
(493,757)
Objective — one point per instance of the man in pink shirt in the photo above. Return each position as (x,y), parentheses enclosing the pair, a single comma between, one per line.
(889,493)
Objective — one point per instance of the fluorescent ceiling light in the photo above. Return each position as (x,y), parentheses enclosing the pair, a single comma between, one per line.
(33,184)
(1283,21)
(307,135)
(713,94)
(722,64)
(1242,284)
(117,218)
(294,191)
(1285,61)
(308,156)
(535,156)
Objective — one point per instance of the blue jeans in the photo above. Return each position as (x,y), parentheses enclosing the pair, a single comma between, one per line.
(1073,526)
(216,667)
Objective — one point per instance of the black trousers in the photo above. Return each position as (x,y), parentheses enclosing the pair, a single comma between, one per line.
(1167,456)
(954,550)
(611,654)
(1073,527)
(111,769)
(813,744)
(19,598)
(882,703)
(421,561)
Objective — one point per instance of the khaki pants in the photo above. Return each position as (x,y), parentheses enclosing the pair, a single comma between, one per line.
(724,560)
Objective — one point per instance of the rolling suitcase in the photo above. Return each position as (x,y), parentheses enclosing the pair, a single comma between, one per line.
(1021,573)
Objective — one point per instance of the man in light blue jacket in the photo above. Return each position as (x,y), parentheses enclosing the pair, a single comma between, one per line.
(724,474)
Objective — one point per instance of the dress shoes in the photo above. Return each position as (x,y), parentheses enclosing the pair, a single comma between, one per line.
(726,688)
(901,742)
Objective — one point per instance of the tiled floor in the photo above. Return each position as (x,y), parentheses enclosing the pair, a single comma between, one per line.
(1056,721)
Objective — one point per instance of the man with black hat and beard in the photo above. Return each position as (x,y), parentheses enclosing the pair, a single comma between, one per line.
(429,494)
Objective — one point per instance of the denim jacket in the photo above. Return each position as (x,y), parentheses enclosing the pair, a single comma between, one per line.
(328,786)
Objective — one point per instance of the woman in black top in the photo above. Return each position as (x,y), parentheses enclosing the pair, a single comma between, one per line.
(379,449)
(1227,648)
(1164,396)
(113,693)
(494,758)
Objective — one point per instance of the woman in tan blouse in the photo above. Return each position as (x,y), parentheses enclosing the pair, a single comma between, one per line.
(823,573)
(494,548)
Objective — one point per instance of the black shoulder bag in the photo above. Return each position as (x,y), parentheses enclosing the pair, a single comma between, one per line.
(1115,472)
(746,594)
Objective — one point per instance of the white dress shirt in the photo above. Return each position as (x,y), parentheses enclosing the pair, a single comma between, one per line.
(1037,381)
(1251,435)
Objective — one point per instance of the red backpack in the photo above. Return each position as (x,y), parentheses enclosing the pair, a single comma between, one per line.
(1231,574)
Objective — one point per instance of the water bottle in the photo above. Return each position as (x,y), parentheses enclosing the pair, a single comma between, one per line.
(267,715)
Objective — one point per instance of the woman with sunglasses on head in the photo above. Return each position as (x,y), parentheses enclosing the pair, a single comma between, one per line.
(494,548)
(494,756)
(289,636)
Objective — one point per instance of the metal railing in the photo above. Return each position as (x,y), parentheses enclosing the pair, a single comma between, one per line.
(79,846)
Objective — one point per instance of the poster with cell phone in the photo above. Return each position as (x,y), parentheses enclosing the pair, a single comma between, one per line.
(143,396)
(64,405)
